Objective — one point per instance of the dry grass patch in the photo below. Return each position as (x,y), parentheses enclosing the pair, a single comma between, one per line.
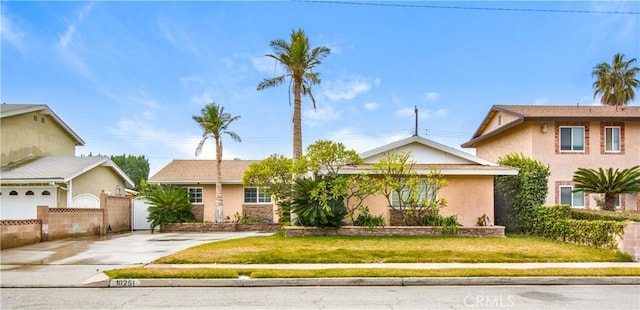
(277,249)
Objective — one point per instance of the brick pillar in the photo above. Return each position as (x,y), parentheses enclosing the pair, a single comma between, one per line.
(105,213)
(43,216)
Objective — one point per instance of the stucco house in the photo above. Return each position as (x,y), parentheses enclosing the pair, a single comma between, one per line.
(566,138)
(199,178)
(469,193)
(39,166)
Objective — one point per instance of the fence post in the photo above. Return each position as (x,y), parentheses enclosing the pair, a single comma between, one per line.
(43,216)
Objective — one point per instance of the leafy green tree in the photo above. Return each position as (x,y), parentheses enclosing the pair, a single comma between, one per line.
(299,60)
(169,205)
(518,196)
(215,122)
(136,167)
(609,182)
(616,81)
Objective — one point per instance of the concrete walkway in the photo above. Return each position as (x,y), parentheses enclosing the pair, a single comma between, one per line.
(80,263)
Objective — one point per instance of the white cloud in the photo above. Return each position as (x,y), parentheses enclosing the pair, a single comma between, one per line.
(541,101)
(362,143)
(10,32)
(324,113)
(431,96)
(347,88)
(441,113)
(422,114)
(371,106)
(66,38)
(266,65)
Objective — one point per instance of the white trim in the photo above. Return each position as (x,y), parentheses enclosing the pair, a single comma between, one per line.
(619,150)
(470,171)
(584,140)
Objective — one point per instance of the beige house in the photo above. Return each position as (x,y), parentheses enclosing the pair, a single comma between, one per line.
(566,138)
(469,193)
(39,167)
(199,178)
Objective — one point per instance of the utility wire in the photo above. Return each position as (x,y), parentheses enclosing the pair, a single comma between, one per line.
(428,6)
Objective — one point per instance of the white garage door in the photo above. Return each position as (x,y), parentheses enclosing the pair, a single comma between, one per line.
(21,203)
(86,201)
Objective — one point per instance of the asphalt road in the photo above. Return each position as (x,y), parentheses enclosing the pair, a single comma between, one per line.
(583,297)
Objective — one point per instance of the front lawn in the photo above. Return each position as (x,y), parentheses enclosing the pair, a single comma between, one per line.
(277,249)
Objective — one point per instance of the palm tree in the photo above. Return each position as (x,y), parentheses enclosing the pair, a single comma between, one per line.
(215,122)
(298,59)
(616,81)
(608,182)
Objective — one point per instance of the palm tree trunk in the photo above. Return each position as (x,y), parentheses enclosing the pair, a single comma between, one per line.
(219,207)
(297,118)
(609,202)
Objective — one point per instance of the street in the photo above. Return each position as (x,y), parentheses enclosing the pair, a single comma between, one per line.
(363,297)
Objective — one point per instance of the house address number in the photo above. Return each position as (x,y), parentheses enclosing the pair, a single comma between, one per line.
(124,283)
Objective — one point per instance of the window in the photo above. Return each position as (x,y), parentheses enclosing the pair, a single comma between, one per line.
(13,193)
(568,197)
(195,194)
(424,191)
(612,139)
(46,193)
(572,139)
(29,193)
(257,195)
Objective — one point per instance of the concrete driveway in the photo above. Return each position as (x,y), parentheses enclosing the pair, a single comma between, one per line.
(75,262)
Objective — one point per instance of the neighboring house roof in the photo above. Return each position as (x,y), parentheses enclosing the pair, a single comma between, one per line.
(56,169)
(189,171)
(7,110)
(427,155)
(551,113)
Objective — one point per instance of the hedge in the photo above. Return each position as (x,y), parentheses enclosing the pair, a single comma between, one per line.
(555,222)
(594,215)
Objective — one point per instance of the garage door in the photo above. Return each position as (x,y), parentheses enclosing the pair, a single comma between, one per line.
(21,203)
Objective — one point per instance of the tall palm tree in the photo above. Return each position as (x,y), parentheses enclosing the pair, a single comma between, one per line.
(215,122)
(616,81)
(299,59)
(608,182)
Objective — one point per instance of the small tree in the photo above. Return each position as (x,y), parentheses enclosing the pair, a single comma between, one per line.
(608,182)
(358,188)
(169,205)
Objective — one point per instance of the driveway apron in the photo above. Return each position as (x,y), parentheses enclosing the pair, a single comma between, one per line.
(74,262)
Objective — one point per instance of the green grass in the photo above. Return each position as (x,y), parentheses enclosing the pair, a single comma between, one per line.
(215,273)
(277,249)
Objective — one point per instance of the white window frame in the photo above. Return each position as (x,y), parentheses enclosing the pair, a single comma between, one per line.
(395,203)
(573,146)
(262,195)
(193,197)
(573,196)
(609,146)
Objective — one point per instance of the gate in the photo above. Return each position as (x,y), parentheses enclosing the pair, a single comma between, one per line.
(140,214)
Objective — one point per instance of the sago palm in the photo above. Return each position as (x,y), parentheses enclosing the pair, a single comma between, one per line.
(616,81)
(608,182)
(215,122)
(298,59)
(169,205)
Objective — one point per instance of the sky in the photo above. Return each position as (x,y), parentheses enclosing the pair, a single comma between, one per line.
(128,76)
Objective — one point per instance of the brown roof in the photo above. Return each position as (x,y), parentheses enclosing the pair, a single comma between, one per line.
(552,113)
(201,171)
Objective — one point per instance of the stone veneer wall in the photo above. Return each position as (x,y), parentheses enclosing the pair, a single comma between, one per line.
(15,233)
(220,227)
(263,212)
(296,231)
(630,242)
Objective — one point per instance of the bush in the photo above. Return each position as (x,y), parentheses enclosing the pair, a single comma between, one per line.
(314,204)
(593,215)
(449,224)
(366,219)
(517,196)
(555,222)
(169,205)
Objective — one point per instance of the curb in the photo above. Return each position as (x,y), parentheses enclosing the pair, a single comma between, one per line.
(471,281)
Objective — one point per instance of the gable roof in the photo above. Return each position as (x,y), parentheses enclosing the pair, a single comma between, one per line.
(454,155)
(192,171)
(7,110)
(550,113)
(57,169)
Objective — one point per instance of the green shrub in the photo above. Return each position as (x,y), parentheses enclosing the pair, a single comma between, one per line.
(555,222)
(314,204)
(592,215)
(365,218)
(517,196)
(169,205)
